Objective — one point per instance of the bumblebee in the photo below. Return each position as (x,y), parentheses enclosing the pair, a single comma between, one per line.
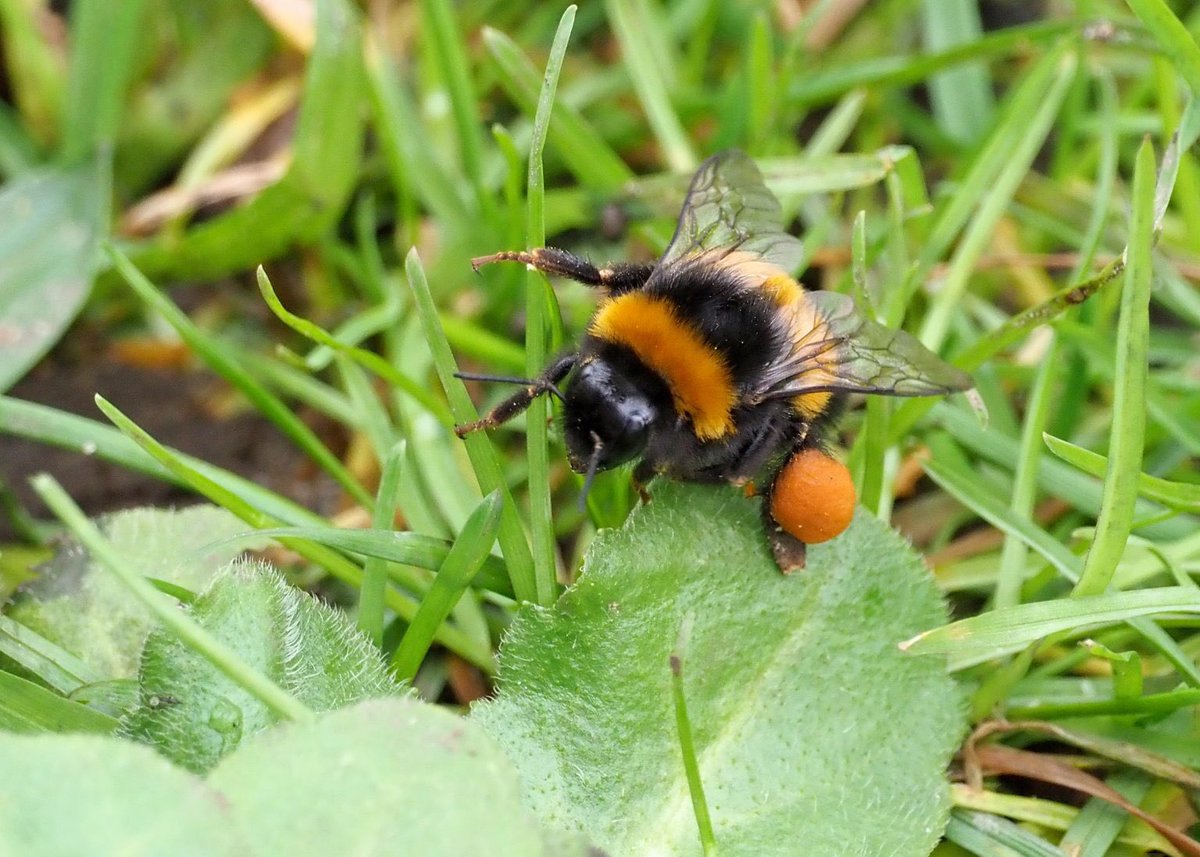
(715,365)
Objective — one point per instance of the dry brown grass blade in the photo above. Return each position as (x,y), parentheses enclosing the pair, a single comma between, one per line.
(996,759)
(1118,751)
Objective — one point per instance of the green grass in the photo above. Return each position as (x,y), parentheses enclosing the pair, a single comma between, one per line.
(1021,198)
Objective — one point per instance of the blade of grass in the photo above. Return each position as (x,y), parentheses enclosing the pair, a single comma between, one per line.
(374,585)
(367,413)
(1154,703)
(1054,477)
(103,58)
(1055,816)
(831,83)
(1003,631)
(440,494)
(333,562)
(293,382)
(370,322)
(1097,347)
(759,86)
(1013,129)
(874,429)
(836,128)
(91,438)
(196,638)
(540,308)
(367,359)
(961,96)
(405,144)
(397,547)
(1159,639)
(513,203)
(35,82)
(463,561)
(687,745)
(588,156)
(992,836)
(1181,496)
(1173,36)
(324,167)
(1129,411)
(1098,824)
(43,659)
(644,49)
(992,182)
(449,52)
(216,357)
(1187,179)
(975,355)
(480,343)
(1037,410)
(26,707)
(479,448)
(1020,506)
(984,503)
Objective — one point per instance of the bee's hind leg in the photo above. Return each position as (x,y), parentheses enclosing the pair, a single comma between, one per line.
(789,552)
(547,382)
(617,278)
(642,474)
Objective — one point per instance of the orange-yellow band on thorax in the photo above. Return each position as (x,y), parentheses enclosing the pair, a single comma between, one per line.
(696,373)
(782,289)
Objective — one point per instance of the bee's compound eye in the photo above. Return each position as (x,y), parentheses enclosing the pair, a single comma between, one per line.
(813,497)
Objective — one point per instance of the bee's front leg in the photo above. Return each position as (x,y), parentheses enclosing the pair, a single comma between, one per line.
(545,383)
(618,277)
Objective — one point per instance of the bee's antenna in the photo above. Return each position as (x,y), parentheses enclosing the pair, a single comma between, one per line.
(593,466)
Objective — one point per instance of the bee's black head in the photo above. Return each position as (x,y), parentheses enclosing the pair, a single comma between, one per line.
(606,417)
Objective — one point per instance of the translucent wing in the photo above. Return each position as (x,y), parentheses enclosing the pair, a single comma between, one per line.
(836,349)
(729,209)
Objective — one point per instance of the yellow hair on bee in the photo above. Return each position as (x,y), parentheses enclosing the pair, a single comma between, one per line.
(805,325)
(811,405)
(698,377)
(782,289)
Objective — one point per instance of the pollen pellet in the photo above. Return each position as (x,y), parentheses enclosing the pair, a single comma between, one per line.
(813,497)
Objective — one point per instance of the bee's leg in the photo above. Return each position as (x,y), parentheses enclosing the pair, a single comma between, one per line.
(642,474)
(790,553)
(510,407)
(617,278)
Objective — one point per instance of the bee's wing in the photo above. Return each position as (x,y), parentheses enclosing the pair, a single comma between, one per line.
(728,209)
(836,349)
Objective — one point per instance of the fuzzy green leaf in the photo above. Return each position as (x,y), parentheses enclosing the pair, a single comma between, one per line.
(52,221)
(399,772)
(809,724)
(91,614)
(386,776)
(86,794)
(194,714)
